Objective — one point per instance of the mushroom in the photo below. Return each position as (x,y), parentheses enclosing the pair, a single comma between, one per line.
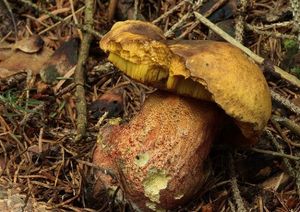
(206,70)
(213,73)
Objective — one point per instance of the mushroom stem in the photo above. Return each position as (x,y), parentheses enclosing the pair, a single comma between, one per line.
(160,154)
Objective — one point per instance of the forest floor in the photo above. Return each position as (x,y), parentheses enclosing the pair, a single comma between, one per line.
(43,163)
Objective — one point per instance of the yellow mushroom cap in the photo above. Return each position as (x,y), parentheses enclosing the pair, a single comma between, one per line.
(207,70)
(236,83)
(122,29)
(136,41)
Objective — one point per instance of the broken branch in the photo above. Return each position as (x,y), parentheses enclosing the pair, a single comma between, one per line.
(79,72)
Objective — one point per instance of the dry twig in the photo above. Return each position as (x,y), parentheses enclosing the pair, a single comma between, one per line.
(169,12)
(240,21)
(296,16)
(79,72)
(283,136)
(12,16)
(59,22)
(183,19)
(235,189)
(136,8)
(294,127)
(277,154)
(112,9)
(79,26)
(285,102)
(271,34)
(216,6)
(292,172)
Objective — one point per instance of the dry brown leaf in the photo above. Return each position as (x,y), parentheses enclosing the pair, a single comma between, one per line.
(111,102)
(63,59)
(276,181)
(5,50)
(19,61)
(32,44)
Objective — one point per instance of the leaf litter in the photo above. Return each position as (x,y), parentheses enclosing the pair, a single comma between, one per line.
(41,165)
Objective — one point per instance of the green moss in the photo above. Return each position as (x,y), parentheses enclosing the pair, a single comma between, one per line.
(296,71)
(155,181)
(290,44)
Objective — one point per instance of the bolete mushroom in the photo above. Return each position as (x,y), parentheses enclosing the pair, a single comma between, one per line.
(206,70)
(159,154)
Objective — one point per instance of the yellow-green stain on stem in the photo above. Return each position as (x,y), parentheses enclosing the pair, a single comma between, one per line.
(155,181)
(153,206)
(142,159)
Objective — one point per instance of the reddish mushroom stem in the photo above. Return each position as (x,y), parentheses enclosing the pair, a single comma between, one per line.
(160,153)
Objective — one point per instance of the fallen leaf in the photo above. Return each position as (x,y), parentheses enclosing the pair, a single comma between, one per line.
(19,61)
(296,101)
(5,50)
(62,60)
(32,44)
(276,181)
(111,102)
(292,202)
(42,87)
